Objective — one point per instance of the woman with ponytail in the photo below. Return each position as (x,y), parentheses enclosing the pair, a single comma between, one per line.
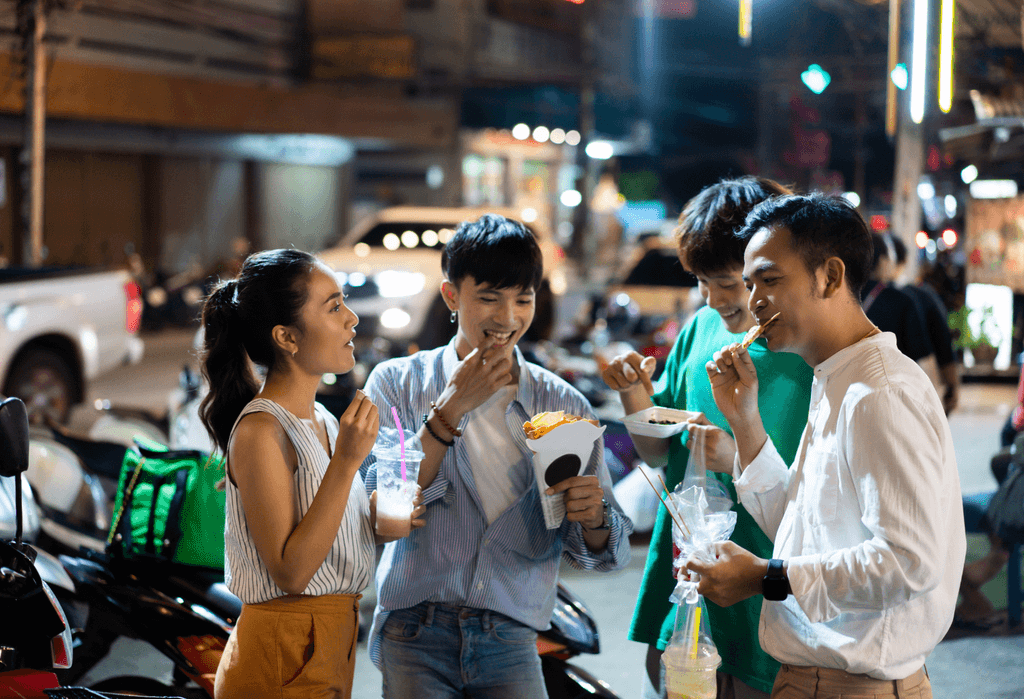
(299,542)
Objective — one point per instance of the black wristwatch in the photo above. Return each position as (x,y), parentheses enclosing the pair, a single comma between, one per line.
(607,514)
(775,584)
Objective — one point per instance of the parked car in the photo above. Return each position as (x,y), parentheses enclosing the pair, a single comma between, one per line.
(652,288)
(391,269)
(60,328)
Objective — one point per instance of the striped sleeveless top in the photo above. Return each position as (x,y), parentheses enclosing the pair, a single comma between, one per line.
(349,565)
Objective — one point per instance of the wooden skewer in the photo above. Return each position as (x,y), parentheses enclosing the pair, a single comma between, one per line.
(671,510)
(673,506)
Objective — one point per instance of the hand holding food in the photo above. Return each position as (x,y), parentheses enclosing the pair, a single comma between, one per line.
(584,500)
(629,370)
(475,379)
(733,382)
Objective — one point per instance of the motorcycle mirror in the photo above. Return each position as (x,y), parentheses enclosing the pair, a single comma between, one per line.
(14,432)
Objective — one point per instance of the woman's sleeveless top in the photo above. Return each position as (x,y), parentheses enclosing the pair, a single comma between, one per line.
(349,565)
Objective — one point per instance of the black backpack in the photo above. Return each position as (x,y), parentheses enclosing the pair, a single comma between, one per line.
(1005,514)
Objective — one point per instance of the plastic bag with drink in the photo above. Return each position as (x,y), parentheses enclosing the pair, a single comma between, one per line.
(696,527)
(691,660)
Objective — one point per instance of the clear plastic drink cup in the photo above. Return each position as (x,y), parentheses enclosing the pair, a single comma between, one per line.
(395,495)
(685,676)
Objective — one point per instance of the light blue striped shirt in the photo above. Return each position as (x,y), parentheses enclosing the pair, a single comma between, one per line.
(511,565)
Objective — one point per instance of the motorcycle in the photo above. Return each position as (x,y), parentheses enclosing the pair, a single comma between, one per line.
(187,615)
(36,633)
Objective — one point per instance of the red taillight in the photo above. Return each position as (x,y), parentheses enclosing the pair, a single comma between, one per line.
(204,653)
(132,307)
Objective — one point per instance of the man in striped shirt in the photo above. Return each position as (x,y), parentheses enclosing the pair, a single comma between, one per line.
(460,601)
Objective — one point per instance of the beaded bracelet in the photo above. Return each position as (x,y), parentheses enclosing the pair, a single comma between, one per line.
(433,434)
(451,430)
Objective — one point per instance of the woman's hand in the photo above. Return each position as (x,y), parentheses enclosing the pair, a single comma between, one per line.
(357,430)
(415,521)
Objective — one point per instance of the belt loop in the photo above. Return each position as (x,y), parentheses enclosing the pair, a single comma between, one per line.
(428,619)
(485,620)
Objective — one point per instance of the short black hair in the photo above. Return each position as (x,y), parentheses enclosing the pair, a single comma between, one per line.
(899,248)
(880,246)
(704,234)
(496,251)
(822,227)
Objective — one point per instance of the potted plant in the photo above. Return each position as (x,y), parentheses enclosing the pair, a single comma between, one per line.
(976,330)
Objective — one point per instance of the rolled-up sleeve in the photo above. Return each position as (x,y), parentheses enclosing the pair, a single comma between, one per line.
(617,551)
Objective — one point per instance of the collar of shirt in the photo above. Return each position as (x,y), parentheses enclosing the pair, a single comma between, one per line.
(843,357)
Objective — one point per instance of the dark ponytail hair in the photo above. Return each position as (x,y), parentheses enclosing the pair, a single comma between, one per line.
(238,317)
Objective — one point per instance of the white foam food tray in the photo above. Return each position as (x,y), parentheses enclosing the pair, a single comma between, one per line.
(640,423)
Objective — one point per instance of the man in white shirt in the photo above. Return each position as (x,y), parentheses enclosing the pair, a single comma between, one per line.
(867,525)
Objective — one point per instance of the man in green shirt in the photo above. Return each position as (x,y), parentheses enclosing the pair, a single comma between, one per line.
(708,250)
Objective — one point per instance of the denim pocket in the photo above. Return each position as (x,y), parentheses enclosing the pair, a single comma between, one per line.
(512,632)
(402,625)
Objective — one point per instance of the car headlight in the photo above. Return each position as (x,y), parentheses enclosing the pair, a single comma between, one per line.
(394,318)
(395,284)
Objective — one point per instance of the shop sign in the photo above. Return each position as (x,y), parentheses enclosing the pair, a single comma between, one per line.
(345,57)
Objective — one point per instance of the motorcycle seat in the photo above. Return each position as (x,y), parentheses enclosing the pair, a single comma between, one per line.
(212,594)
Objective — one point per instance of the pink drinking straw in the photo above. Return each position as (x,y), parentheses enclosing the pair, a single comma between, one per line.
(401,437)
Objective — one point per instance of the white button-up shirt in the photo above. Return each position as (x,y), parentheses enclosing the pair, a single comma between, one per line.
(869,519)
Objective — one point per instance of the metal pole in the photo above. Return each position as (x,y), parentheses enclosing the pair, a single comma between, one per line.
(585,182)
(33,151)
(891,96)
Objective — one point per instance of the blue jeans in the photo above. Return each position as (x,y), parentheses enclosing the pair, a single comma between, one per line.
(436,651)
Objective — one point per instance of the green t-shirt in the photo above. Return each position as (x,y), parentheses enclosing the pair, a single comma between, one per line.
(783,398)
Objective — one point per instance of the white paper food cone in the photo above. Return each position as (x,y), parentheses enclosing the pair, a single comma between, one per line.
(562,453)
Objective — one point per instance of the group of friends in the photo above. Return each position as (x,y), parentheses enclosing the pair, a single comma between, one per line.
(841,575)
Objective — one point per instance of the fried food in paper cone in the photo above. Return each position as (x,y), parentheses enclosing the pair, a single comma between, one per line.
(542,423)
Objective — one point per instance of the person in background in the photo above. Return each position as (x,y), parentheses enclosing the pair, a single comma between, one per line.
(867,526)
(299,542)
(890,309)
(975,609)
(933,311)
(708,249)
(460,601)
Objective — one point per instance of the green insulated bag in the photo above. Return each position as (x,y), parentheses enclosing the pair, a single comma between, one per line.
(168,506)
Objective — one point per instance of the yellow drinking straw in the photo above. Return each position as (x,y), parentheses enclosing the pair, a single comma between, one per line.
(696,632)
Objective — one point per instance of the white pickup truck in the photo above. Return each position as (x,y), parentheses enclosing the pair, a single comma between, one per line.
(60,328)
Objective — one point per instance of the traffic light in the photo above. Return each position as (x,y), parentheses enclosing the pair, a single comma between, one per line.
(816,78)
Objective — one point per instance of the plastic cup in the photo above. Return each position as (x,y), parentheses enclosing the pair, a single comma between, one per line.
(395,495)
(688,677)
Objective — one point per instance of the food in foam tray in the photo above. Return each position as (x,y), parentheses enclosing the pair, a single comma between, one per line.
(756,331)
(542,423)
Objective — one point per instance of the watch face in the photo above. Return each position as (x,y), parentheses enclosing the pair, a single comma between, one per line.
(775,589)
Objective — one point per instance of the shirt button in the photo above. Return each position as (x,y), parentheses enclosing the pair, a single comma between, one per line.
(480,586)
(486,541)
